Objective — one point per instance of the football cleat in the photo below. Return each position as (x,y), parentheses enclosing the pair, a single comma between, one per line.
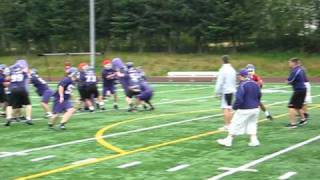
(270,117)
(50,126)
(303,122)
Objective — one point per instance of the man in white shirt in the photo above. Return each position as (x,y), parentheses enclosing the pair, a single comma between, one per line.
(225,89)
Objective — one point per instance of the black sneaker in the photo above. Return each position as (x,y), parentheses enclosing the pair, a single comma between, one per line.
(63,127)
(270,117)
(303,122)
(22,118)
(29,122)
(291,126)
(15,119)
(132,109)
(8,123)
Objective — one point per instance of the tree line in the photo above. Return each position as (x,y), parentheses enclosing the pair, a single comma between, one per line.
(33,26)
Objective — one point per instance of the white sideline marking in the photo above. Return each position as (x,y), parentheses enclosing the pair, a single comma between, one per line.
(177,168)
(265,158)
(287,175)
(42,158)
(244,170)
(110,135)
(129,164)
(84,161)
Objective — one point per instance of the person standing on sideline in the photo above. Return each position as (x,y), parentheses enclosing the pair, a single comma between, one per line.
(297,80)
(225,89)
(246,106)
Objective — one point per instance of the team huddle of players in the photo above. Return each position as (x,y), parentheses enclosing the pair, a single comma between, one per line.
(14,90)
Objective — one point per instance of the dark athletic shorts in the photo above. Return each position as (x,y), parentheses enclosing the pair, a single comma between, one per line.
(91,92)
(297,99)
(19,97)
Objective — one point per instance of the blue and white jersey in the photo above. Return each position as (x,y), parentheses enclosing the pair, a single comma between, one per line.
(90,77)
(68,86)
(135,78)
(18,79)
(40,84)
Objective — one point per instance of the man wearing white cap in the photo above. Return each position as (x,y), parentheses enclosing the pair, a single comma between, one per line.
(246,105)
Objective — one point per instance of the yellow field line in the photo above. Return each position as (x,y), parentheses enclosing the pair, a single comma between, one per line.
(101,132)
(109,157)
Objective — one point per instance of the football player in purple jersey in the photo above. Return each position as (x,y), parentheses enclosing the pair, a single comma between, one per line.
(62,99)
(19,96)
(42,90)
(108,76)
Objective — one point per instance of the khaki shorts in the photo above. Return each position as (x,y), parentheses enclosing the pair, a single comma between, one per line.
(244,122)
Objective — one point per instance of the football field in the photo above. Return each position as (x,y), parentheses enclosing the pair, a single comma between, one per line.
(176,141)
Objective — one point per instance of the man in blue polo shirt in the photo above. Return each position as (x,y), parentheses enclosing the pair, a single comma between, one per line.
(297,80)
(246,108)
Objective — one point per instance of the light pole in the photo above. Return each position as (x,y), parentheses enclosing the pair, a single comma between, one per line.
(92,34)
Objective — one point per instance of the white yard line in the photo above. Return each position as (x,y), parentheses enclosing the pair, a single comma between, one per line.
(42,158)
(181,90)
(265,158)
(157,92)
(178,168)
(84,161)
(4,153)
(113,135)
(105,136)
(244,170)
(135,163)
(109,110)
(287,175)
(109,135)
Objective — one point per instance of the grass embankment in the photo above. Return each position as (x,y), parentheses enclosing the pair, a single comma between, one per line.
(158,64)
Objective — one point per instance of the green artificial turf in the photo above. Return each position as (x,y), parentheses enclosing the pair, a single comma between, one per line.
(174,103)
